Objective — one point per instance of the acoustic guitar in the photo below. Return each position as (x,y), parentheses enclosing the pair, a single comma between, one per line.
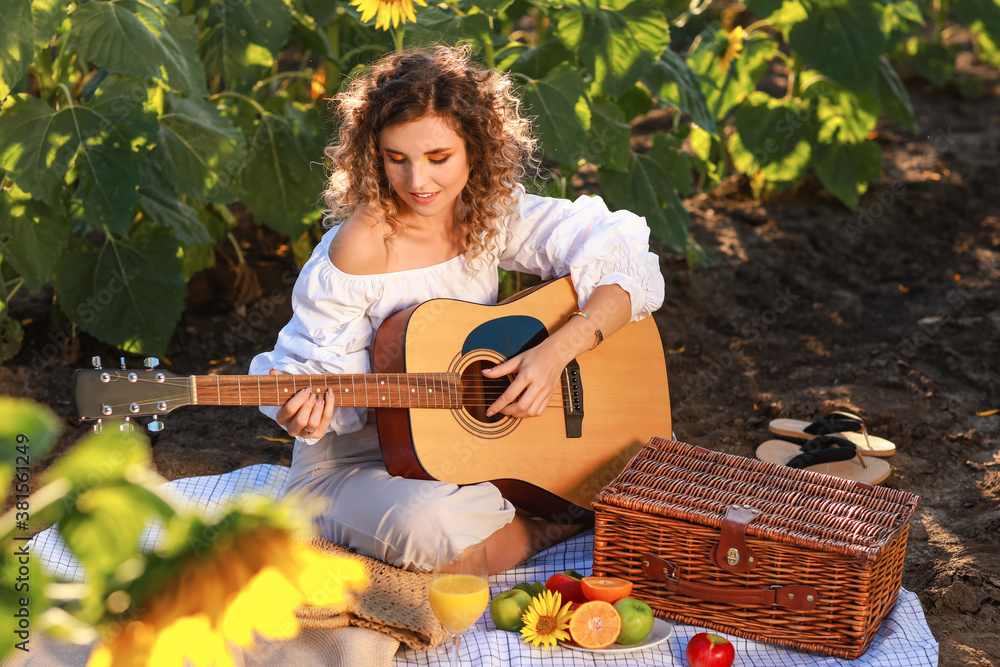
(430,398)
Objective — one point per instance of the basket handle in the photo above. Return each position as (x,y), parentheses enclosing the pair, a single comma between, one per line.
(799,598)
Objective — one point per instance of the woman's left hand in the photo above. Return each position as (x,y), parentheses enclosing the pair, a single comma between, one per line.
(536,373)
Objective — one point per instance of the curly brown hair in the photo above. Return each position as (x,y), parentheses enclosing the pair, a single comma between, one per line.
(479,104)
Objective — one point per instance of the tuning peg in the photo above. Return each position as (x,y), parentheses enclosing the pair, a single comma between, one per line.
(155,426)
(98,427)
(126,426)
(150,362)
(96,361)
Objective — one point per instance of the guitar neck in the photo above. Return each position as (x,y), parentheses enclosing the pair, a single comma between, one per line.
(370,390)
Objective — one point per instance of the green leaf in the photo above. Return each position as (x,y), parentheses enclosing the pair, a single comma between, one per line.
(47,16)
(985,13)
(105,522)
(677,85)
(184,70)
(843,116)
(144,43)
(772,137)
(537,61)
(644,189)
(493,7)
(553,101)
(109,181)
(100,459)
(244,35)
(11,337)
(636,102)
(39,147)
(34,236)
(110,156)
(609,141)
(843,40)
(17,50)
(899,21)
(281,184)
(674,162)
(893,98)
(618,47)
(35,147)
(934,61)
(321,11)
(726,89)
(435,24)
(988,48)
(27,431)
(204,155)
(846,169)
(127,294)
(763,8)
(160,203)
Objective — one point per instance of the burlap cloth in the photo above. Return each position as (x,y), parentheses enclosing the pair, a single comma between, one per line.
(395,603)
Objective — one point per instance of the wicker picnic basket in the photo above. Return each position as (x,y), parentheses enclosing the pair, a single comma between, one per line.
(754,549)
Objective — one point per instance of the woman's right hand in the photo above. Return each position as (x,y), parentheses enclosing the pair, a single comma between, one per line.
(305,415)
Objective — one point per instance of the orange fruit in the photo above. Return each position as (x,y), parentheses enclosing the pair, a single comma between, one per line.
(595,624)
(608,589)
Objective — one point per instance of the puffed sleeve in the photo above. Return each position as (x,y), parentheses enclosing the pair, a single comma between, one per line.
(329,332)
(583,239)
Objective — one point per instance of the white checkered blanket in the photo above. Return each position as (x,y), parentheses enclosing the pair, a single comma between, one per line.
(904,640)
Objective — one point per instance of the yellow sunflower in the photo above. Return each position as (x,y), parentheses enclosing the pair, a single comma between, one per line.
(249,581)
(546,620)
(736,37)
(389,12)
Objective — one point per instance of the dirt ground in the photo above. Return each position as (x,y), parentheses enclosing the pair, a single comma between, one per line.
(891,312)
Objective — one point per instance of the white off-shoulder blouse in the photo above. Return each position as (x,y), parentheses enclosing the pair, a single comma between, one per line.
(336,314)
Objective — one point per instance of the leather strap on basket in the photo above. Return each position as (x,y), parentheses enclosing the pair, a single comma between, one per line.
(732,553)
(799,598)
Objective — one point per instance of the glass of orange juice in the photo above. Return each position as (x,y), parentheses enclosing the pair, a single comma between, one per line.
(459,590)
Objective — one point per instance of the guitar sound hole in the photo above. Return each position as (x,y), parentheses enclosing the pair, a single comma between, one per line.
(479,392)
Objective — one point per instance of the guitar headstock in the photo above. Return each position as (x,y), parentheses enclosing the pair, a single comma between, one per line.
(124,394)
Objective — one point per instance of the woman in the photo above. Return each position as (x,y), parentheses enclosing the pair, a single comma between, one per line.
(424,180)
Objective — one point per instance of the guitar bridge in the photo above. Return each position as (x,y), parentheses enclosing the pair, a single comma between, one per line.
(573,399)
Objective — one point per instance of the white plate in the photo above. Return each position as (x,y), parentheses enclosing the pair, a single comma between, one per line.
(660,633)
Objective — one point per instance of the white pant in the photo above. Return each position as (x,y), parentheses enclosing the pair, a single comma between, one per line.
(398,521)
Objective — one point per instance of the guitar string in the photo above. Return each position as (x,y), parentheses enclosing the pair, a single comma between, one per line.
(235,388)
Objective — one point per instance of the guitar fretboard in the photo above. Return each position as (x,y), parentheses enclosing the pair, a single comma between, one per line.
(371,390)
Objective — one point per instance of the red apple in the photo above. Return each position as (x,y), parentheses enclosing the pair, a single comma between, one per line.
(567,586)
(710,650)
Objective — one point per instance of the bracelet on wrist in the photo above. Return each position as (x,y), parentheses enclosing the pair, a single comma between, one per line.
(599,337)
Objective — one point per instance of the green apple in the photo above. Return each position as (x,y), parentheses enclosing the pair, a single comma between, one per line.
(637,620)
(507,608)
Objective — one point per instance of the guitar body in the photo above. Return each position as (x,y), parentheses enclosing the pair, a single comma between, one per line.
(553,465)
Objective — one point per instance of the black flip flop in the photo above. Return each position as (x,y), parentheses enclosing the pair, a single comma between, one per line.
(827,455)
(844,424)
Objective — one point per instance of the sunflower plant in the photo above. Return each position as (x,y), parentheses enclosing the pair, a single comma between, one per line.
(209,582)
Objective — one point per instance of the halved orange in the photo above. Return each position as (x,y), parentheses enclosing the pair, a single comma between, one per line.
(595,624)
(608,589)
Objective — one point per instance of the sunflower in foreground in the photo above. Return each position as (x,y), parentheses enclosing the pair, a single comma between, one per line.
(249,581)
(389,12)
(547,620)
